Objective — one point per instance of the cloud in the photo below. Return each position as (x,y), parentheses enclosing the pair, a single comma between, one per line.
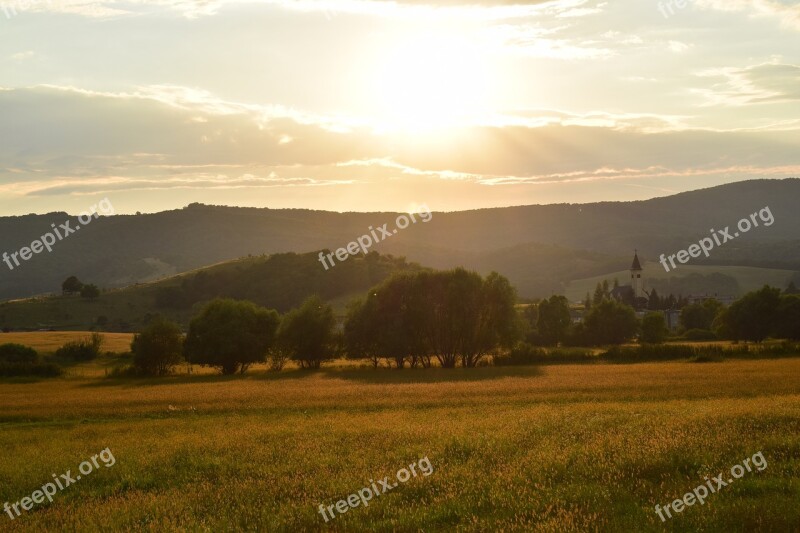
(174,138)
(787,13)
(758,84)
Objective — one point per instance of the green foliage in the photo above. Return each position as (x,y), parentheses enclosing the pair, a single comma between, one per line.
(231,335)
(699,335)
(654,328)
(17,353)
(610,322)
(753,317)
(700,315)
(158,348)
(526,354)
(554,320)
(90,292)
(453,315)
(85,349)
(653,352)
(306,334)
(18,360)
(788,322)
(282,281)
(71,285)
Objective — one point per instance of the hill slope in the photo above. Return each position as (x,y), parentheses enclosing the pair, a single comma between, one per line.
(540,247)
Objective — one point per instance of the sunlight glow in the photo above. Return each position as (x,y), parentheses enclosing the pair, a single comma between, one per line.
(428,82)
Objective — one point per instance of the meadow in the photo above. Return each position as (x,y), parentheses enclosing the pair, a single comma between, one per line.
(550,448)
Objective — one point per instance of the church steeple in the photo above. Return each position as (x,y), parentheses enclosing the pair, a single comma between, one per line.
(636,264)
(637,283)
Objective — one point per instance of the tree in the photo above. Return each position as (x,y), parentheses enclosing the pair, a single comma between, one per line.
(654,328)
(610,322)
(90,292)
(554,319)
(231,335)
(71,285)
(792,289)
(654,302)
(495,321)
(158,348)
(306,333)
(700,315)
(361,324)
(753,317)
(788,323)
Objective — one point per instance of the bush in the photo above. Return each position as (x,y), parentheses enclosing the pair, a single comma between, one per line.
(522,354)
(158,348)
(526,354)
(650,352)
(699,335)
(17,353)
(654,328)
(45,370)
(85,349)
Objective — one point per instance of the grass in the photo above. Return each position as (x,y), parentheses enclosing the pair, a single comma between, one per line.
(556,448)
(50,341)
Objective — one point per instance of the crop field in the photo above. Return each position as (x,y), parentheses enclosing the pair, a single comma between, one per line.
(50,341)
(556,448)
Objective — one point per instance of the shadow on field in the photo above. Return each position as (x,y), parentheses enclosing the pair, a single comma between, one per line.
(431,375)
(189,379)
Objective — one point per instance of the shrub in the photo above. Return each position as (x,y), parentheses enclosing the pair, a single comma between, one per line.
(526,354)
(699,335)
(158,348)
(522,354)
(17,353)
(84,349)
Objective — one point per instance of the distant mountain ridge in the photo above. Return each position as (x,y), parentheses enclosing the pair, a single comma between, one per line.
(539,247)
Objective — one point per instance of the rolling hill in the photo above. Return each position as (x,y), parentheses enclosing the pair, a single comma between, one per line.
(541,248)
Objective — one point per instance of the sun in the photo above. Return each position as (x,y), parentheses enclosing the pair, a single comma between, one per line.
(431,81)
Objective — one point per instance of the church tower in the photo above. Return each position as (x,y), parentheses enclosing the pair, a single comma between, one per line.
(637,283)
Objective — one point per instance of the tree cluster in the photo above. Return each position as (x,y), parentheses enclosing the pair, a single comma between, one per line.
(452,316)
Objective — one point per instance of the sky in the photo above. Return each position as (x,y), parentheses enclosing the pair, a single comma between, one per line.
(366,105)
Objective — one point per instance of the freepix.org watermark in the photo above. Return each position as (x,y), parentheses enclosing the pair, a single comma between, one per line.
(363,496)
(60,482)
(704,246)
(714,485)
(365,242)
(64,230)
(670,5)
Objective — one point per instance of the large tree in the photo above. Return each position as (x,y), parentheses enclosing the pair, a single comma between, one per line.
(158,348)
(610,322)
(654,328)
(554,319)
(752,317)
(231,335)
(452,316)
(307,333)
(700,315)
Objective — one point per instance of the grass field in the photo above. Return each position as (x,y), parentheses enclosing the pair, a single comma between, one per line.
(557,448)
(49,341)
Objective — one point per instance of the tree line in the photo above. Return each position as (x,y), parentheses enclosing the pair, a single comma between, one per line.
(453,318)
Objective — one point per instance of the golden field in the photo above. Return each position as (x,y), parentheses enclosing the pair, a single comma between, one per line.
(554,448)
